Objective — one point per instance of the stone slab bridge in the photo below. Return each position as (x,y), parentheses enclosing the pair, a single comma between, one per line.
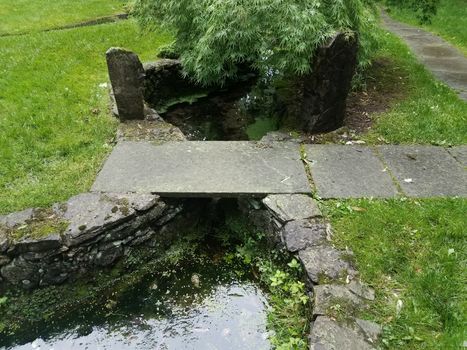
(256,169)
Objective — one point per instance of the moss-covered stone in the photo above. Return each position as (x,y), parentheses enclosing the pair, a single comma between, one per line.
(343,310)
(43,223)
(153,131)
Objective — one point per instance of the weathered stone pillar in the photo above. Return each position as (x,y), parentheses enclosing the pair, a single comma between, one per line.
(326,88)
(127,77)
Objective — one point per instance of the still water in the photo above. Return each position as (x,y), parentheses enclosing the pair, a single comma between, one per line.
(199,308)
(246,111)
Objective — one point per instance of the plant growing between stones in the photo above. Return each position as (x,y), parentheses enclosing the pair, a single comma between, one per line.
(402,248)
(245,253)
(288,316)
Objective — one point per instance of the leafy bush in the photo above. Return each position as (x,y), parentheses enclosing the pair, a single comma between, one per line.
(215,37)
(425,9)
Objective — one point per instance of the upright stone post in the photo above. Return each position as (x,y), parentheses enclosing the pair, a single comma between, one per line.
(127,78)
(326,88)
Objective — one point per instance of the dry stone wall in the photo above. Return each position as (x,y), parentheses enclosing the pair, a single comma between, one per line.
(95,230)
(89,231)
(164,82)
(140,92)
(295,223)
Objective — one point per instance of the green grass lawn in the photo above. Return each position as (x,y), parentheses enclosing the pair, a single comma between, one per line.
(426,112)
(411,250)
(415,252)
(22,16)
(55,124)
(450,22)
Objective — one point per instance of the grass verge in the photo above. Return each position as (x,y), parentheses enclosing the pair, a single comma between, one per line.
(425,111)
(55,126)
(413,253)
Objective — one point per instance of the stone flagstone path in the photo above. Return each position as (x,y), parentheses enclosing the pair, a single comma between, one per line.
(445,61)
(256,169)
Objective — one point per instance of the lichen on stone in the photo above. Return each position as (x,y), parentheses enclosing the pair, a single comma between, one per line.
(43,223)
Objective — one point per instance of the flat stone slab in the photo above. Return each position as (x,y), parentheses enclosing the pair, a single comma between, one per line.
(460,153)
(438,51)
(447,64)
(457,80)
(292,207)
(348,172)
(425,171)
(204,169)
(327,334)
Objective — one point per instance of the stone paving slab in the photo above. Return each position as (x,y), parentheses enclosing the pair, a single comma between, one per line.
(437,50)
(445,61)
(204,169)
(418,39)
(446,64)
(348,172)
(425,171)
(456,80)
(460,153)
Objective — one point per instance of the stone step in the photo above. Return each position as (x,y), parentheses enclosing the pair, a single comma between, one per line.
(204,169)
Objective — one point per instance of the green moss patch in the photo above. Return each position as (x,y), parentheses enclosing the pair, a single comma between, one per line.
(44,223)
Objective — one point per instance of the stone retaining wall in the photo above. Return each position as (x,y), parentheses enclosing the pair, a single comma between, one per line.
(295,223)
(164,82)
(319,96)
(88,231)
(95,230)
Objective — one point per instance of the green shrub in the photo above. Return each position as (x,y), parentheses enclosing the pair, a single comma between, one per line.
(215,37)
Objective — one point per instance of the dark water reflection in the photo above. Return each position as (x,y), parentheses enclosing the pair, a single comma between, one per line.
(246,111)
(199,308)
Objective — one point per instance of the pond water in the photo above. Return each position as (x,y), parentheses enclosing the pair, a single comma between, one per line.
(246,111)
(200,307)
